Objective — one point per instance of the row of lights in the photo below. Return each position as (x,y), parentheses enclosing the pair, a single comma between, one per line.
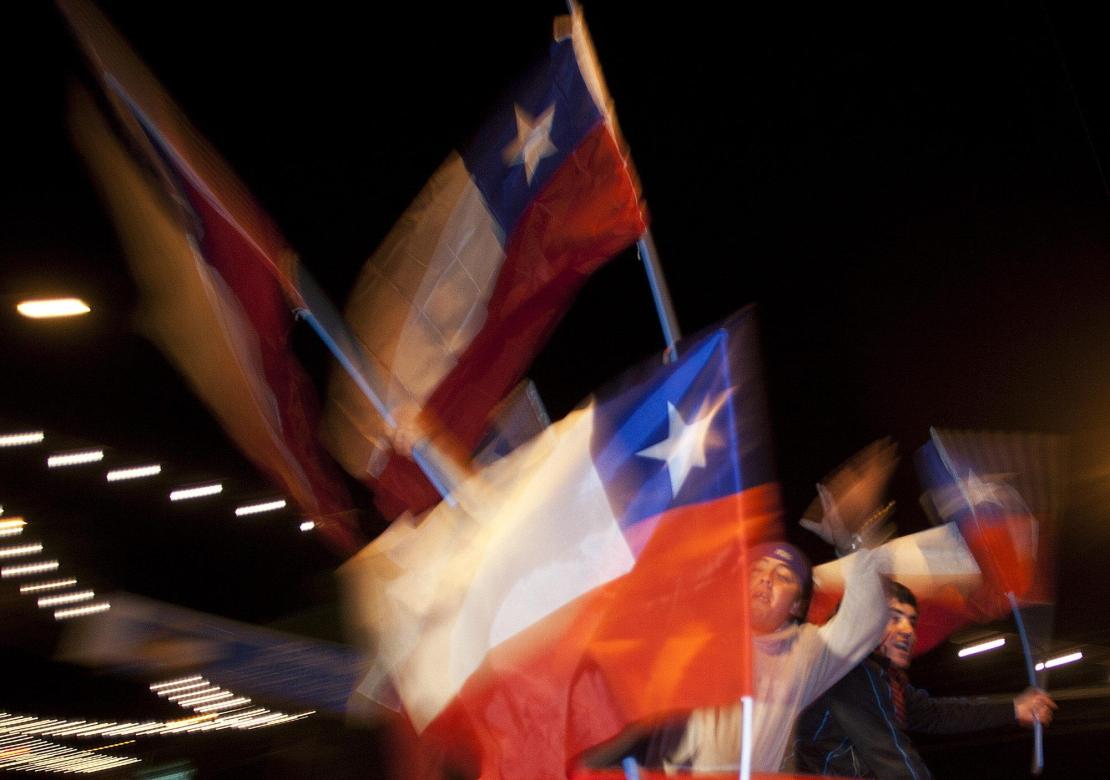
(61,460)
(71,602)
(993,644)
(36,755)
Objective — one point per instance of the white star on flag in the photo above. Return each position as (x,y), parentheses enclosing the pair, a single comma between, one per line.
(684,446)
(533,140)
(979,492)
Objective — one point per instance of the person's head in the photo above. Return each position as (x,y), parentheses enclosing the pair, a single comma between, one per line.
(779,587)
(901,627)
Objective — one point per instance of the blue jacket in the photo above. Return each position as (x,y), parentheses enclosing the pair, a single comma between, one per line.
(851,730)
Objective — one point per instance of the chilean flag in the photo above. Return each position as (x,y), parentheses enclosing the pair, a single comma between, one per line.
(471,281)
(989,541)
(216,275)
(594,578)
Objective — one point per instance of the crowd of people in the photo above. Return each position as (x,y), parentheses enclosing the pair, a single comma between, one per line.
(832,699)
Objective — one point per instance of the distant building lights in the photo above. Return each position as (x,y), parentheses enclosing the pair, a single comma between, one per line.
(19,439)
(136,472)
(28,568)
(74,458)
(45,308)
(196,492)
(982,647)
(253,509)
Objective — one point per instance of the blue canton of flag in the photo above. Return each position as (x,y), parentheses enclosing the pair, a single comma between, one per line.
(689,432)
(531,133)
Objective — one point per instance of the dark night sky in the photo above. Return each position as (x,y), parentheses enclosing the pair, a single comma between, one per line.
(911,194)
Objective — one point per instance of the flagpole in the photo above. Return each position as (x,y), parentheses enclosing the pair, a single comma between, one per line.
(664,309)
(746,704)
(1038,727)
(437,467)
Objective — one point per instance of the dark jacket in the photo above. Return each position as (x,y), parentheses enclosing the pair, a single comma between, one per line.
(851,730)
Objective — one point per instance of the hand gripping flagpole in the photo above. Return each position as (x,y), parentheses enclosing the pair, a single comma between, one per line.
(1037,766)
(318,312)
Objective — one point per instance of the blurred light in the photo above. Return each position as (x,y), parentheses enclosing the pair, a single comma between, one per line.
(134,473)
(253,509)
(174,690)
(307,525)
(52,307)
(16,439)
(74,458)
(62,614)
(1060,660)
(66,598)
(51,585)
(28,568)
(12,526)
(178,681)
(223,705)
(180,694)
(23,549)
(196,492)
(207,697)
(982,647)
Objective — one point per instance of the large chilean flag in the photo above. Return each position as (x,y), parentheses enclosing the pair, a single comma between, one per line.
(594,578)
(468,285)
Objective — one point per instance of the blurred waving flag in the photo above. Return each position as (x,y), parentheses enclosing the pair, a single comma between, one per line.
(996,497)
(594,578)
(214,272)
(466,288)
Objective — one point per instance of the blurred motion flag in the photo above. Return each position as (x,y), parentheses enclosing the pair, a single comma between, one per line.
(468,285)
(996,497)
(594,578)
(213,270)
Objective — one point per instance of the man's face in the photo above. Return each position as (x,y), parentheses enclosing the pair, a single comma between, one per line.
(775,595)
(901,634)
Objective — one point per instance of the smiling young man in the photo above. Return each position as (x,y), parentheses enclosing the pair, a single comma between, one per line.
(857,728)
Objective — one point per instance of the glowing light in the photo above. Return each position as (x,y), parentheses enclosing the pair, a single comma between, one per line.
(134,473)
(12,526)
(208,697)
(28,568)
(63,614)
(182,694)
(1060,660)
(52,307)
(18,439)
(182,690)
(74,458)
(23,549)
(982,647)
(307,525)
(223,705)
(196,492)
(253,509)
(51,585)
(66,598)
(179,681)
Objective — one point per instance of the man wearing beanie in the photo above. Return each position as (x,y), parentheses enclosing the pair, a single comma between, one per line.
(857,728)
(793,662)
